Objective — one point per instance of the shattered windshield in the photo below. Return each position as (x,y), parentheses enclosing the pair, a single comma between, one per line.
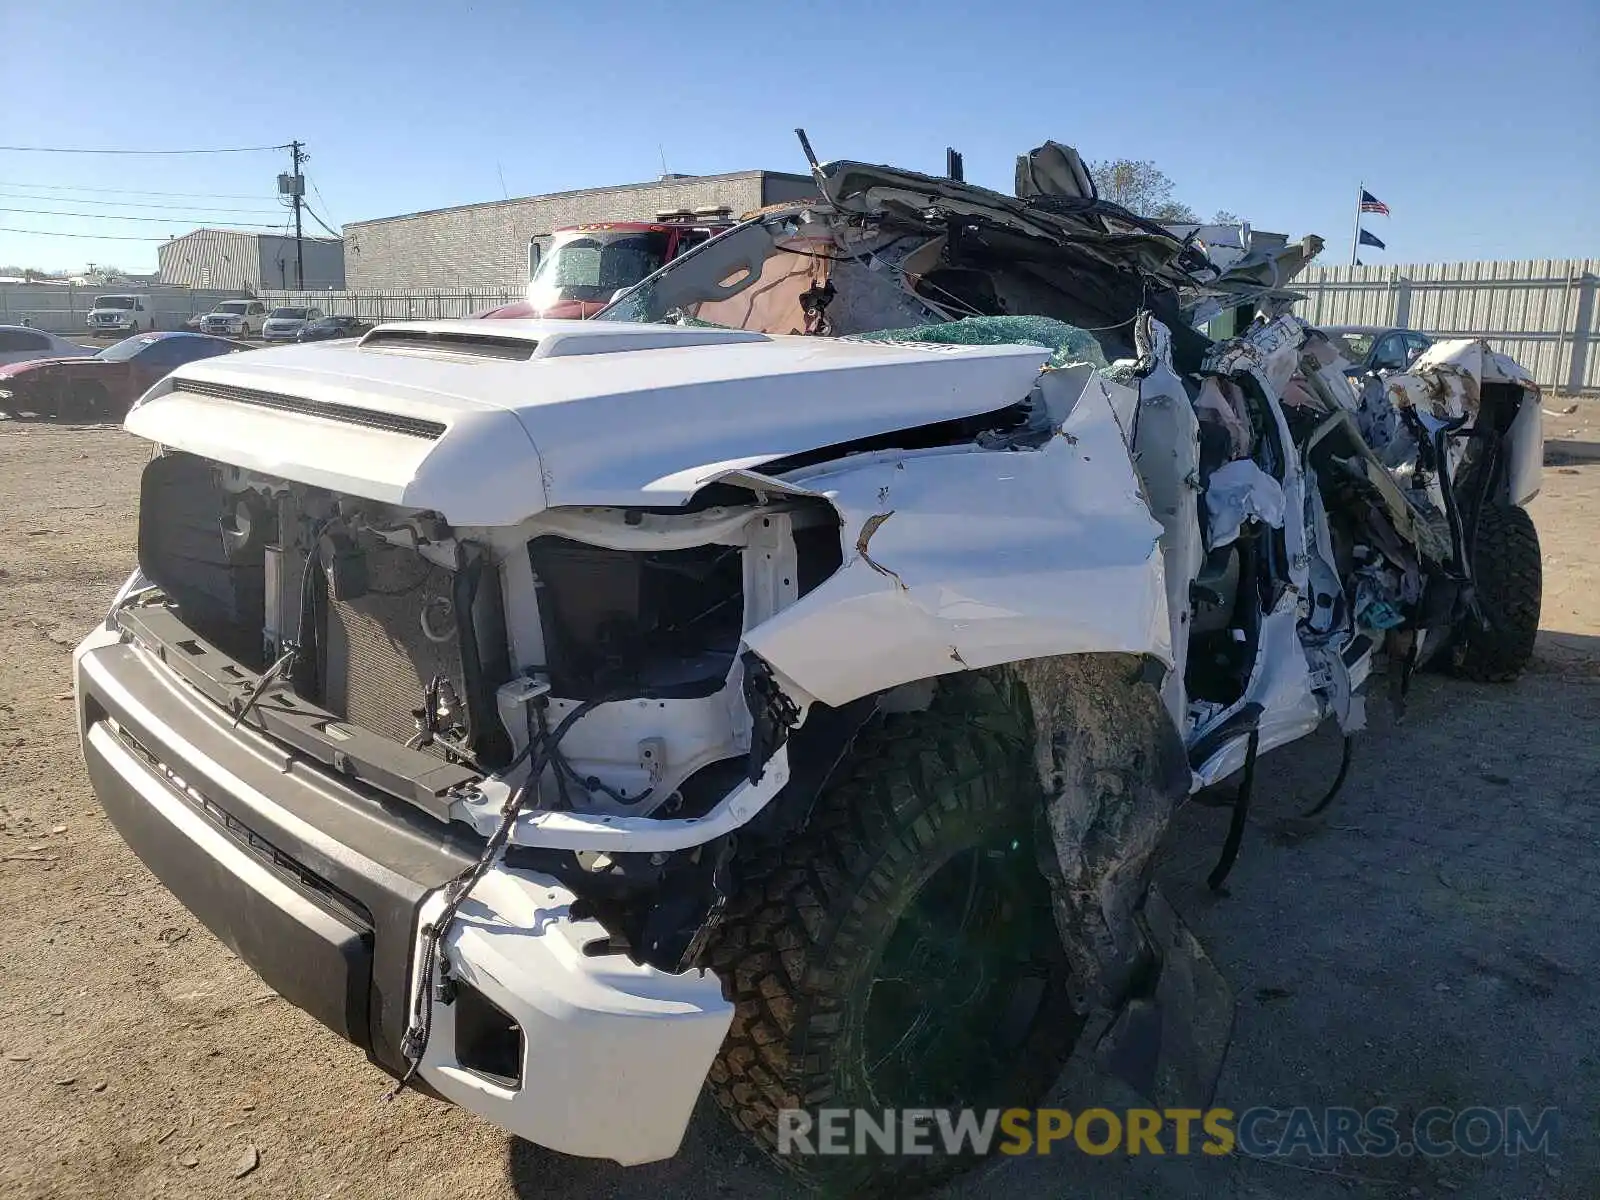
(1355,346)
(592,266)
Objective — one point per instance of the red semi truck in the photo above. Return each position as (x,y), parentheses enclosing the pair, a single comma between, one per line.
(586,265)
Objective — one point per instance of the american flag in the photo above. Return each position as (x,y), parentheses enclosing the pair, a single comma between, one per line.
(1371,204)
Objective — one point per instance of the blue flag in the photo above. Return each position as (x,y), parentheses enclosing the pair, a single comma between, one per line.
(1367,239)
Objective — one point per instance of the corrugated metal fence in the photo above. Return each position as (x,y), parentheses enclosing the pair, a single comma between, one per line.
(64,308)
(1542,312)
(423,304)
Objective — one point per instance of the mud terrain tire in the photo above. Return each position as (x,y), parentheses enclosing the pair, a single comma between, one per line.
(1510,582)
(853,983)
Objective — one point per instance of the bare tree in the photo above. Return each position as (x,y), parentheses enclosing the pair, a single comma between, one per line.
(1224,217)
(1141,187)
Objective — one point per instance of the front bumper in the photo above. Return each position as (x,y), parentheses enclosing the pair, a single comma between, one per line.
(323,889)
(272,334)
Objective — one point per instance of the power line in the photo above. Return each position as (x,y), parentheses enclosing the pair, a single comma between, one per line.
(97,237)
(320,199)
(131,204)
(72,187)
(84,150)
(321,222)
(51,212)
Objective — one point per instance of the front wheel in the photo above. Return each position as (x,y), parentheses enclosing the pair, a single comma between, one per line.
(900,951)
(87,402)
(1509,582)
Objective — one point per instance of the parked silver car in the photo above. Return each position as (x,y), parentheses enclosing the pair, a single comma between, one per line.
(285,324)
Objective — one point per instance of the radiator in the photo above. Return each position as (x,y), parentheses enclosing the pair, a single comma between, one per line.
(384,646)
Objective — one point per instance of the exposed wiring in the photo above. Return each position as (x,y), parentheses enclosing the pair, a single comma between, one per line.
(414,1044)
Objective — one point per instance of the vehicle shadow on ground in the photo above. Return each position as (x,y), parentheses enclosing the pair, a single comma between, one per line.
(713,1162)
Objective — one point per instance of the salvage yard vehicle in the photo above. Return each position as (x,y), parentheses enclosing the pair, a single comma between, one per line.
(235,318)
(329,328)
(1378,347)
(587,265)
(21,343)
(101,386)
(287,323)
(122,314)
(573,715)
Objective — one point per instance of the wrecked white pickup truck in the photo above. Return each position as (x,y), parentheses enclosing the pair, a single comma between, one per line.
(574,714)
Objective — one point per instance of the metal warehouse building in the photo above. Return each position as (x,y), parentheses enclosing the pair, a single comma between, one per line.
(486,245)
(248,262)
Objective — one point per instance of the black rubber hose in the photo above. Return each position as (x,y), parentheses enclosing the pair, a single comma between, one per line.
(1241,812)
(1338,780)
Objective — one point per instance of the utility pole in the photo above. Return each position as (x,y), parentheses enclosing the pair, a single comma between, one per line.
(296,157)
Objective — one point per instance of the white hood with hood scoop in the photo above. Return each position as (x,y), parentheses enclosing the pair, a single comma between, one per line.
(488,423)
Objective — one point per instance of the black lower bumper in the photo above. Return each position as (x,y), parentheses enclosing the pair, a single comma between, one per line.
(312,881)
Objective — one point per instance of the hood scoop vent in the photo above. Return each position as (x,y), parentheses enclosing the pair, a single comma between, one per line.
(451,342)
(344,413)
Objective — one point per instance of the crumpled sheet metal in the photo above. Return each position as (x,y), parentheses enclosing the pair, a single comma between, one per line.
(1443,391)
(1239,491)
(961,558)
(1220,400)
(1270,351)
(1447,380)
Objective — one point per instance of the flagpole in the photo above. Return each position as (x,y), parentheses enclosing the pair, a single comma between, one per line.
(1355,237)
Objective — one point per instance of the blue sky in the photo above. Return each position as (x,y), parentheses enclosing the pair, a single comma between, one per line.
(1478,123)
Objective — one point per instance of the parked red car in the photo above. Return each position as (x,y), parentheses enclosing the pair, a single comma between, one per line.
(103,386)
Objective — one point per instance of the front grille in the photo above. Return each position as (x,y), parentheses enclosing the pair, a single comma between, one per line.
(343,413)
(380,657)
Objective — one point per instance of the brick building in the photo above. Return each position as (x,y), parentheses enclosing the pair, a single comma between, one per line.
(486,245)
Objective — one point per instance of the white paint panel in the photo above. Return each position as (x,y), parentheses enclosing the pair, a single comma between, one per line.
(972,558)
(641,427)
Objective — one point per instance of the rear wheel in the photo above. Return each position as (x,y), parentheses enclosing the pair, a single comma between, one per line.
(900,952)
(1509,580)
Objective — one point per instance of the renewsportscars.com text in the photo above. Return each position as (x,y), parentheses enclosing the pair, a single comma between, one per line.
(1261,1132)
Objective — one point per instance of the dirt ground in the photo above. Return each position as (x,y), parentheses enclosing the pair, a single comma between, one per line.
(1430,942)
